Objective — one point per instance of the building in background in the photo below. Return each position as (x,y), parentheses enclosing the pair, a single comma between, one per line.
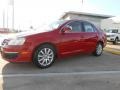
(4,30)
(91,17)
(111,23)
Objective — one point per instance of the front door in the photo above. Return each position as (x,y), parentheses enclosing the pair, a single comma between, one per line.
(71,42)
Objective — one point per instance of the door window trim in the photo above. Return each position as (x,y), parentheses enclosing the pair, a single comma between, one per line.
(74,21)
(94,30)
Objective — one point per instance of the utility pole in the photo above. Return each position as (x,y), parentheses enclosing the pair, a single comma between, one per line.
(82,2)
(7,17)
(3,18)
(13,15)
(11,3)
(81,5)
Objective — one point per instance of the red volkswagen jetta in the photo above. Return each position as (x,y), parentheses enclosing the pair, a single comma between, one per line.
(60,39)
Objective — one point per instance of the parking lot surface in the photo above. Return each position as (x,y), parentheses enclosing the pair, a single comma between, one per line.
(83,72)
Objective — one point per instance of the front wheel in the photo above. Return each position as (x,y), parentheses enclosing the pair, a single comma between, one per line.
(44,56)
(116,41)
(99,50)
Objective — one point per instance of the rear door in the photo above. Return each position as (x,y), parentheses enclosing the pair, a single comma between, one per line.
(90,37)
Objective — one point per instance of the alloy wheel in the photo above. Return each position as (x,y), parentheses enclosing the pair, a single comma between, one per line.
(45,56)
(99,49)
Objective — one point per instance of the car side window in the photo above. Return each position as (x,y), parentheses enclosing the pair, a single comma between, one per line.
(88,27)
(76,26)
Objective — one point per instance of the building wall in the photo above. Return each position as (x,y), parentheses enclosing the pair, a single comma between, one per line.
(109,24)
(94,20)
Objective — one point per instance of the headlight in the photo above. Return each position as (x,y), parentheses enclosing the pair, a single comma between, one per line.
(17,41)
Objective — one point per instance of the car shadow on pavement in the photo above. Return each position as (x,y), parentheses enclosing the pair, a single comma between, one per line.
(75,63)
(17,68)
(80,63)
(13,83)
(17,83)
(28,68)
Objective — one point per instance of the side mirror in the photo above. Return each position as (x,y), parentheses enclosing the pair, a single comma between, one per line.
(66,29)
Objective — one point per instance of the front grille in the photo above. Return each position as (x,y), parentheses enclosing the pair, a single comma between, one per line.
(108,35)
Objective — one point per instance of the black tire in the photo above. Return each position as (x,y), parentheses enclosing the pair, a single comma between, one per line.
(96,53)
(116,41)
(38,51)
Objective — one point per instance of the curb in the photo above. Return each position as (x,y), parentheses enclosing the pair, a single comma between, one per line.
(112,50)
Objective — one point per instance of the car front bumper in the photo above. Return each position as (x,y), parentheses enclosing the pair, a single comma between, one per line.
(16,54)
(110,39)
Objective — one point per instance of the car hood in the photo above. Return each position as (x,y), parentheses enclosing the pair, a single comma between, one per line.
(20,34)
(29,33)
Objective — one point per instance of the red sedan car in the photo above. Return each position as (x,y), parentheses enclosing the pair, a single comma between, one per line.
(62,38)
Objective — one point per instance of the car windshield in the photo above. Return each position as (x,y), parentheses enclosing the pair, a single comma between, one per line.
(112,31)
(52,26)
(56,24)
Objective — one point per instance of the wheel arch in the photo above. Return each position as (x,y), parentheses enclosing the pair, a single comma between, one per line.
(45,43)
(117,37)
(101,43)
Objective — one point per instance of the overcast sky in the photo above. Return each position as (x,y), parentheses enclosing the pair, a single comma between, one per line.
(38,12)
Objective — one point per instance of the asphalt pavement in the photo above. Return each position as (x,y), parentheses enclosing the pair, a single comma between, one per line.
(83,72)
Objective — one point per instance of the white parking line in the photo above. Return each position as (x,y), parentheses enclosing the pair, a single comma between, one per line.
(60,74)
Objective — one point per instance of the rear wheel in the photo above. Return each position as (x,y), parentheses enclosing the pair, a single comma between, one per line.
(44,56)
(99,50)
